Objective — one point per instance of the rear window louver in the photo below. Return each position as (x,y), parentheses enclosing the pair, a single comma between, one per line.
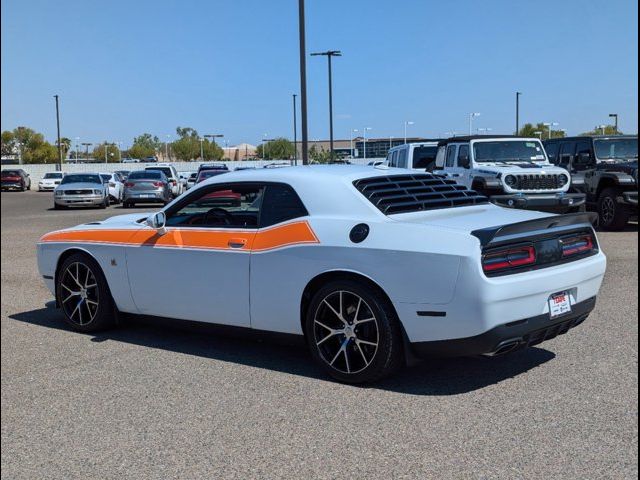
(413,193)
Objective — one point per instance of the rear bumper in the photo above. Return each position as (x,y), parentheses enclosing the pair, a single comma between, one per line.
(144,197)
(12,186)
(508,337)
(552,201)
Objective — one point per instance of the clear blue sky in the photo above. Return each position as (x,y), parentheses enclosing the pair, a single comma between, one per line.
(126,67)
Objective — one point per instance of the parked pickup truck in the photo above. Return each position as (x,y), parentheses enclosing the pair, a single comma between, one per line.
(513,172)
(606,170)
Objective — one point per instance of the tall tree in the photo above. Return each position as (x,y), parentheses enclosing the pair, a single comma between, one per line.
(112,153)
(277,149)
(608,130)
(539,130)
(145,145)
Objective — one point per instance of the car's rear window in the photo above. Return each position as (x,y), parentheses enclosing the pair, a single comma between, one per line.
(414,193)
(150,174)
(165,170)
(10,173)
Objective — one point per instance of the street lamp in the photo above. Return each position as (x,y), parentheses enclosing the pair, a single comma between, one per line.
(471,117)
(354,130)
(303,83)
(364,145)
(549,125)
(77,142)
(484,131)
(615,115)
(201,149)
(518,94)
(86,145)
(406,123)
(391,142)
(330,54)
(295,131)
(58,125)
(166,147)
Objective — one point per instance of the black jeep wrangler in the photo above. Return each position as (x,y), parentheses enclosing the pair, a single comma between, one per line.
(606,169)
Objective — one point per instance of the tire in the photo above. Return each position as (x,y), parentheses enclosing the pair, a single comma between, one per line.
(611,215)
(58,207)
(126,205)
(94,309)
(106,203)
(362,345)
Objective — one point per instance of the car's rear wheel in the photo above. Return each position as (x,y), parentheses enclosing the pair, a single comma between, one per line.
(611,215)
(353,332)
(83,294)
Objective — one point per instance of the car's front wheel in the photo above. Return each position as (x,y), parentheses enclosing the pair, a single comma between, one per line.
(611,214)
(83,294)
(353,332)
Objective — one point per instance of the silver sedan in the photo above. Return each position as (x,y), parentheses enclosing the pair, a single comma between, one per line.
(146,186)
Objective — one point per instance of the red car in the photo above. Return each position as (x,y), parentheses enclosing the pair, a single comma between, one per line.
(16,179)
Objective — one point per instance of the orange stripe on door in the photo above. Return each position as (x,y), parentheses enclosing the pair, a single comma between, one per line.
(290,234)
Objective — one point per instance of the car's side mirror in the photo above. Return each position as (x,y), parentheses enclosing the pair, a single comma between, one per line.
(158,221)
(464,162)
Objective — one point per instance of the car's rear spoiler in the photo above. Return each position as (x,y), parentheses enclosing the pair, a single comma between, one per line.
(505,233)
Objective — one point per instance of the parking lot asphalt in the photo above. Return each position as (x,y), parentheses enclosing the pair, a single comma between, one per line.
(159,402)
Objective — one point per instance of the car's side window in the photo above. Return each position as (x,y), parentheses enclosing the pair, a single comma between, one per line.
(552,151)
(463,153)
(567,151)
(219,206)
(394,157)
(280,203)
(451,155)
(402,158)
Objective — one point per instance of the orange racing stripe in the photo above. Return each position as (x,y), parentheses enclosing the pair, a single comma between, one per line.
(290,234)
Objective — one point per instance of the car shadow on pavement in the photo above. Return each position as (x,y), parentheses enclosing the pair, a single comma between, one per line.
(430,377)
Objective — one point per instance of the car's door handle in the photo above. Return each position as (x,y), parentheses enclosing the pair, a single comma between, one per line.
(237,242)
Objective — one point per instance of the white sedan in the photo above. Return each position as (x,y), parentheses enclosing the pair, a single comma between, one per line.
(114,184)
(370,266)
(50,181)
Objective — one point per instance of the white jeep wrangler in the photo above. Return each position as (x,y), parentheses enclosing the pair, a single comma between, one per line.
(512,171)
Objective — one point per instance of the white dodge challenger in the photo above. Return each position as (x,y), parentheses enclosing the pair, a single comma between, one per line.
(373,266)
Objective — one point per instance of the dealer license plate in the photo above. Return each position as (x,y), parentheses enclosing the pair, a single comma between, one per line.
(559,304)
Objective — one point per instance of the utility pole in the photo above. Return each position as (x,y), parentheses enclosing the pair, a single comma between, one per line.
(58,125)
(406,123)
(518,112)
(471,117)
(303,84)
(295,132)
(86,145)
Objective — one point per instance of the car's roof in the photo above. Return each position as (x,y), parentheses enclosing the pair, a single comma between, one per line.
(587,137)
(469,138)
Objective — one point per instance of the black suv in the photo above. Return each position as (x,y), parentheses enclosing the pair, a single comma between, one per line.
(606,169)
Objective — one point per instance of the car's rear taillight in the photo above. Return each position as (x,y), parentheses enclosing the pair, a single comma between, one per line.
(577,245)
(158,184)
(512,257)
(129,184)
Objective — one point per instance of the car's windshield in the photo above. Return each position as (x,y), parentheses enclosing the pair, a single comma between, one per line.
(609,148)
(146,174)
(81,178)
(52,175)
(509,151)
(424,156)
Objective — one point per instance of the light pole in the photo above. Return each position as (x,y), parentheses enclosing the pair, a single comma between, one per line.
(295,131)
(450,134)
(539,133)
(518,94)
(549,125)
(303,83)
(77,146)
(330,54)
(471,117)
(201,149)
(364,145)
(58,125)
(354,130)
(86,145)
(602,128)
(391,142)
(264,146)
(614,115)
(484,131)
(406,123)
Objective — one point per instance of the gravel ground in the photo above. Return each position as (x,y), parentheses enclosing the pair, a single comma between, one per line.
(158,402)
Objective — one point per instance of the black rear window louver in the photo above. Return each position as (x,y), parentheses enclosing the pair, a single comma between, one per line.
(413,193)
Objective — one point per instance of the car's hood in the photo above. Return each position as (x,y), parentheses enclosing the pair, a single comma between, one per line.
(519,168)
(468,219)
(80,186)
